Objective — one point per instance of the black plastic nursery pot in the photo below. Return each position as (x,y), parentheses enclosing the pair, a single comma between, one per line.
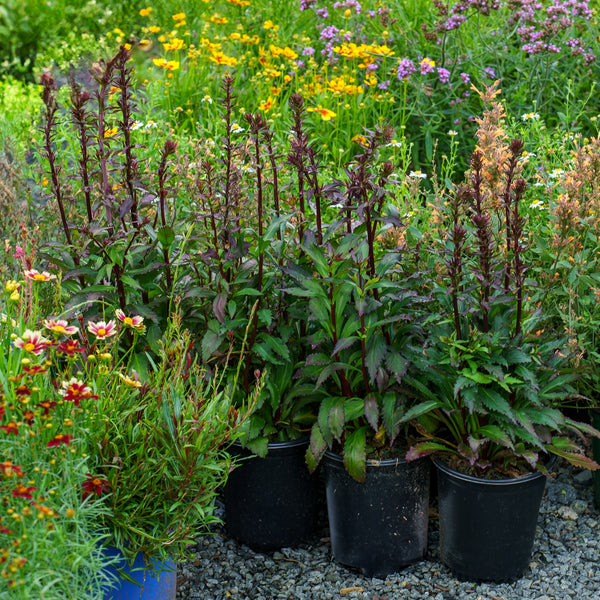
(271,502)
(487,526)
(378,526)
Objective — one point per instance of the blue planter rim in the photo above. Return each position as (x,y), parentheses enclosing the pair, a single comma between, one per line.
(509,481)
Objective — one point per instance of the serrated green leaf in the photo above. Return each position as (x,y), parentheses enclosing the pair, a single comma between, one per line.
(376,351)
(316,448)
(496,434)
(336,420)
(355,454)
(495,402)
(166,236)
(372,411)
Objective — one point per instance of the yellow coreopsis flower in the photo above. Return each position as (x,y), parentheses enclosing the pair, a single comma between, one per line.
(145,12)
(268,24)
(267,105)
(111,131)
(174,44)
(179,17)
(325,113)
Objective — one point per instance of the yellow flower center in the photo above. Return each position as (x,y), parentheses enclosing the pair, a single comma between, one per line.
(128,321)
(101,331)
(29,347)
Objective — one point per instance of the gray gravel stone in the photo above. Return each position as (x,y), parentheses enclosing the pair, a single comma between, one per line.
(564,566)
(562,493)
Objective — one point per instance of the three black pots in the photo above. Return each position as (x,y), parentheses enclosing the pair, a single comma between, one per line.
(271,502)
(487,526)
(381,525)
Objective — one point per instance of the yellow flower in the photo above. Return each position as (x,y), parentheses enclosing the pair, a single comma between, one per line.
(219,19)
(179,17)
(267,105)
(222,59)
(145,12)
(325,113)
(131,381)
(160,62)
(361,140)
(174,44)
(268,24)
(172,65)
(153,29)
(11,285)
(111,131)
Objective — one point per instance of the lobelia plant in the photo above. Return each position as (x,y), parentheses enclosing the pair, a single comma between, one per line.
(237,257)
(118,223)
(490,380)
(359,327)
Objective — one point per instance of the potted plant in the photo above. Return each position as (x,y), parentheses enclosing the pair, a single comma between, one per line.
(242,243)
(489,384)
(362,339)
(158,448)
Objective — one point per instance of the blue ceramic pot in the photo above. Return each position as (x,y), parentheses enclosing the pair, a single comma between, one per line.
(159,583)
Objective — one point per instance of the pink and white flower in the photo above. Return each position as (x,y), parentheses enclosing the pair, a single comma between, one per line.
(35,275)
(33,342)
(102,329)
(60,326)
(135,322)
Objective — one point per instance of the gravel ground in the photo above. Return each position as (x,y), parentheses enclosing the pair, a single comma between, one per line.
(565,563)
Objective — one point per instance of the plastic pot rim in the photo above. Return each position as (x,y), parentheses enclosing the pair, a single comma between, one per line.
(301,441)
(386,462)
(506,482)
